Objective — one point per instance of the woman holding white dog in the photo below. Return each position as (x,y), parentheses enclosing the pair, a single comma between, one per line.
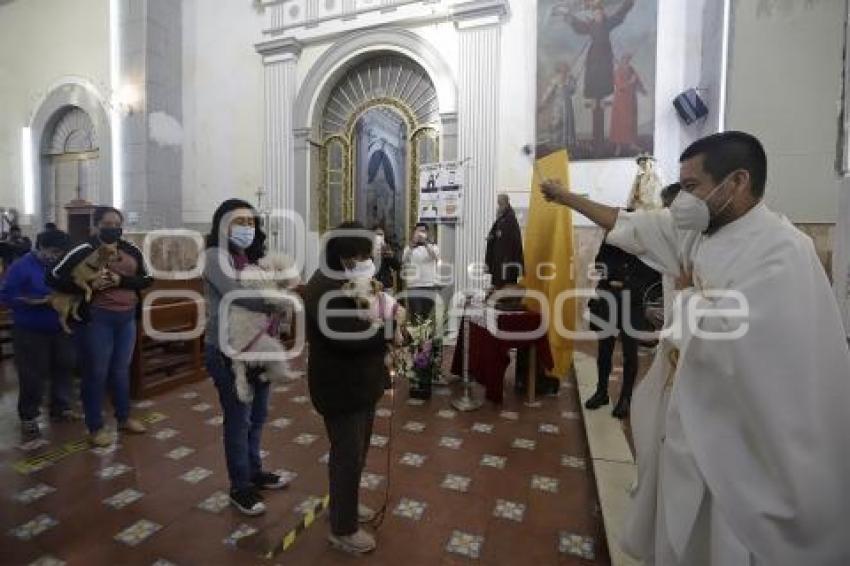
(347,372)
(235,242)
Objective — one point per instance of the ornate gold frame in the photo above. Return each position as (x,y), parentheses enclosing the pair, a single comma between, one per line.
(416,132)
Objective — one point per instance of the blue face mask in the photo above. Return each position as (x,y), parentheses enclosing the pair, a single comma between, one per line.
(242,236)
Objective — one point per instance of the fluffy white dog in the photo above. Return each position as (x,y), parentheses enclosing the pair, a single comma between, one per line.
(251,332)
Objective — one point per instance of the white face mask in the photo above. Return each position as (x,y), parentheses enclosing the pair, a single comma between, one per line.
(693,213)
(361,270)
(242,236)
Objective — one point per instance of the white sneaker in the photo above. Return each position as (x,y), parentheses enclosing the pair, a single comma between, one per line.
(360,542)
(365,514)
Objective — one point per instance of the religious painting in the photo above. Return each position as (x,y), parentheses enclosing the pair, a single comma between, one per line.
(380,189)
(596,77)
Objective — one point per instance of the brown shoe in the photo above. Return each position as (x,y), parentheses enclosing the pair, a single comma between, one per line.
(100,439)
(132,426)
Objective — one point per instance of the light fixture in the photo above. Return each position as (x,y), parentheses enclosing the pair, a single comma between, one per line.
(27,170)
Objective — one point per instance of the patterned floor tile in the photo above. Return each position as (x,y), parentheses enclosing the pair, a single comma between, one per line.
(196,475)
(201,407)
(456,483)
(33,493)
(544,483)
(570,415)
(446,414)
(547,428)
(163,562)
(217,420)
(573,462)
(415,402)
(383,413)
(325,458)
(410,509)
(371,481)
(215,503)
(524,443)
(47,560)
(34,444)
(300,399)
(146,404)
(165,433)
(509,415)
(442,392)
(105,450)
(308,504)
(264,454)
(34,527)
(492,461)
(378,441)
(113,471)
(414,426)
(413,459)
(281,423)
(281,389)
(241,532)
(123,498)
(154,418)
(509,510)
(576,545)
(189,395)
(288,476)
(179,453)
(305,439)
(483,428)
(450,442)
(138,532)
(465,544)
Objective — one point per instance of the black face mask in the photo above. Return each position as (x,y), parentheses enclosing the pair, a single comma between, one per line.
(110,235)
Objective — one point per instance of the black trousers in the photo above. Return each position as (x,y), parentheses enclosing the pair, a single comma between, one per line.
(604,362)
(41,357)
(349,435)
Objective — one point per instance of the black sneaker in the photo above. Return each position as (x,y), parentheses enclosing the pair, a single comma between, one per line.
(268,480)
(30,430)
(599,399)
(248,501)
(621,411)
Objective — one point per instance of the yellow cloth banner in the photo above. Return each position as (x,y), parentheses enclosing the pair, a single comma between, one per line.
(548,249)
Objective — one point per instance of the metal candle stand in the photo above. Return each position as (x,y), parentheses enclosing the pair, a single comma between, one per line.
(467,401)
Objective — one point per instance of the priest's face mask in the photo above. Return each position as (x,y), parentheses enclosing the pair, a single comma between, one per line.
(703,204)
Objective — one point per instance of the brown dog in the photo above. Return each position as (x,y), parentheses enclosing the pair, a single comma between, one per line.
(83,275)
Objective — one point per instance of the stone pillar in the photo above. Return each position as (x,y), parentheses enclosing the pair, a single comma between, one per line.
(478,129)
(280,58)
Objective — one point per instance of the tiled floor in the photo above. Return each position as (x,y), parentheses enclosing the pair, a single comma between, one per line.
(500,485)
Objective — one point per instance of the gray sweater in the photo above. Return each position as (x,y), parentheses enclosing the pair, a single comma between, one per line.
(218,282)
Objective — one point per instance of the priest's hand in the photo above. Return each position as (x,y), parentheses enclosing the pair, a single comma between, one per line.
(554,191)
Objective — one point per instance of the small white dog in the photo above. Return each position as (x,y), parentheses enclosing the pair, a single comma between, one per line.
(378,306)
(249,331)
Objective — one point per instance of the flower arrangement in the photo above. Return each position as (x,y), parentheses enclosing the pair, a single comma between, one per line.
(422,359)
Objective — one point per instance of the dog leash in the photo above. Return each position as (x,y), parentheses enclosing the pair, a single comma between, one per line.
(271,329)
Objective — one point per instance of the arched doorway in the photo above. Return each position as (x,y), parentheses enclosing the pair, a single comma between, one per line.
(379,124)
(70,155)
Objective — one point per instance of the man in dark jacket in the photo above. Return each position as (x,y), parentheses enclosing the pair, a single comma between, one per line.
(504,257)
(15,246)
(42,350)
(346,375)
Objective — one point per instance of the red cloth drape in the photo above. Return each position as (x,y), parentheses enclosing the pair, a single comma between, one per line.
(488,354)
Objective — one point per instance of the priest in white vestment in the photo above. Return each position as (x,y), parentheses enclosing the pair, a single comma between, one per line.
(743,439)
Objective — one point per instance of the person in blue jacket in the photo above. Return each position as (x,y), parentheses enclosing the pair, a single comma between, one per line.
(43,352)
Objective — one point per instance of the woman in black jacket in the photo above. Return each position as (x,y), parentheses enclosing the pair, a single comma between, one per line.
(109,335)
(624,280)
(346,374)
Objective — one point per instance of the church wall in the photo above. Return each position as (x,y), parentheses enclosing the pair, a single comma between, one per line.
(42,42)
(785,86)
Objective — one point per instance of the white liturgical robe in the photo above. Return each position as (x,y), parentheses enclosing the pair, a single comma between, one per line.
(742,444)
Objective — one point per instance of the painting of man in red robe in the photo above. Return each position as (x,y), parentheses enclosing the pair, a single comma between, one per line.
(624,112)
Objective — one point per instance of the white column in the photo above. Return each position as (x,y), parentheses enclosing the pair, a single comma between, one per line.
(841,254)
(478,129)
(280,58)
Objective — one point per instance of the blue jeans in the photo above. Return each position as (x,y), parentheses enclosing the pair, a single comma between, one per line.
(243,422)
(109,341)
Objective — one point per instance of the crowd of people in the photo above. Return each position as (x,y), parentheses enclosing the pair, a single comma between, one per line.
(731,425)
